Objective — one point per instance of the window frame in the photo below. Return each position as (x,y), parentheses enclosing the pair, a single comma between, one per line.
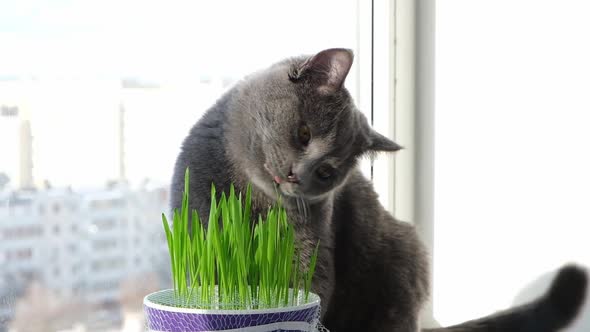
(399,70)
(386,95)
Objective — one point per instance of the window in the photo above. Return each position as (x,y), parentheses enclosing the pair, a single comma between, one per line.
(20,232)
(96,98)
(105,224)
(511,162)
(101,286)
(104,244)
(107,265)
(499,171)
(25,254)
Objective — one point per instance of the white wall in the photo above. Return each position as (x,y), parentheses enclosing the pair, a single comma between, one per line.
(512,155)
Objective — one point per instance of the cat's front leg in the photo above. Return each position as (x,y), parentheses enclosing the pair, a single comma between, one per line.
(312,229)
(323,280)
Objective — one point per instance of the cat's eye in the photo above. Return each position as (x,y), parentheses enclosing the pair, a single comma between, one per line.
(325,171)
(304,134)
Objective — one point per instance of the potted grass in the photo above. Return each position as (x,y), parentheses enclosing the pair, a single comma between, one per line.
(233,274)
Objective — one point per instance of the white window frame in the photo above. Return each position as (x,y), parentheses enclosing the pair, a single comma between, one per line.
(385,89)
(395,87)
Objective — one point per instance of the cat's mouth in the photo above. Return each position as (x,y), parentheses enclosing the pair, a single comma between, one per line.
(288,185)
(278,179)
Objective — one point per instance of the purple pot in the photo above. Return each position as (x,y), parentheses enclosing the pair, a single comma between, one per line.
(163,318)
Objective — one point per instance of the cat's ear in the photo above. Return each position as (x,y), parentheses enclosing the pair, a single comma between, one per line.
(379,143)
(328,69)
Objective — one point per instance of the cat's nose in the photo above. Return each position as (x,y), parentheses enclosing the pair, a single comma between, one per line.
(292,178)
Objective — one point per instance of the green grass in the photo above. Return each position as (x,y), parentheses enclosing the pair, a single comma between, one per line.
(234,261)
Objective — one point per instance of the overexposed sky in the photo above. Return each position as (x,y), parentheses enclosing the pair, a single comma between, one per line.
(66,59)
(166,38)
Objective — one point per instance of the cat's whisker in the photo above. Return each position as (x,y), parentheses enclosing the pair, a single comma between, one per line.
(304,206)
(277,191)
(298,205)
(303,209)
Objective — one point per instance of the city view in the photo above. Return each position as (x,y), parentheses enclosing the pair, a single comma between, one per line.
(82,254)
(95,100)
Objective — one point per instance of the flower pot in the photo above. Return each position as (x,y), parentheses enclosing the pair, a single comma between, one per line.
(160,317)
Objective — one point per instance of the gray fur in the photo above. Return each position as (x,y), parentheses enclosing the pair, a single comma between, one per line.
(372,270)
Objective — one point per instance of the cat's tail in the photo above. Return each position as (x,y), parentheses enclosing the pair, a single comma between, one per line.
(553,311)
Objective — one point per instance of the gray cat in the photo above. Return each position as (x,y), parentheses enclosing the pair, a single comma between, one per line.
(293,130)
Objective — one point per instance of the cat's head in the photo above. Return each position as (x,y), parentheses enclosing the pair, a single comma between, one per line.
(299,130)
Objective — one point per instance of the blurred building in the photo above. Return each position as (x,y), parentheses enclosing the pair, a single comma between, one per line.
(26,154)
(15,129)
(78,247)
(9,140)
